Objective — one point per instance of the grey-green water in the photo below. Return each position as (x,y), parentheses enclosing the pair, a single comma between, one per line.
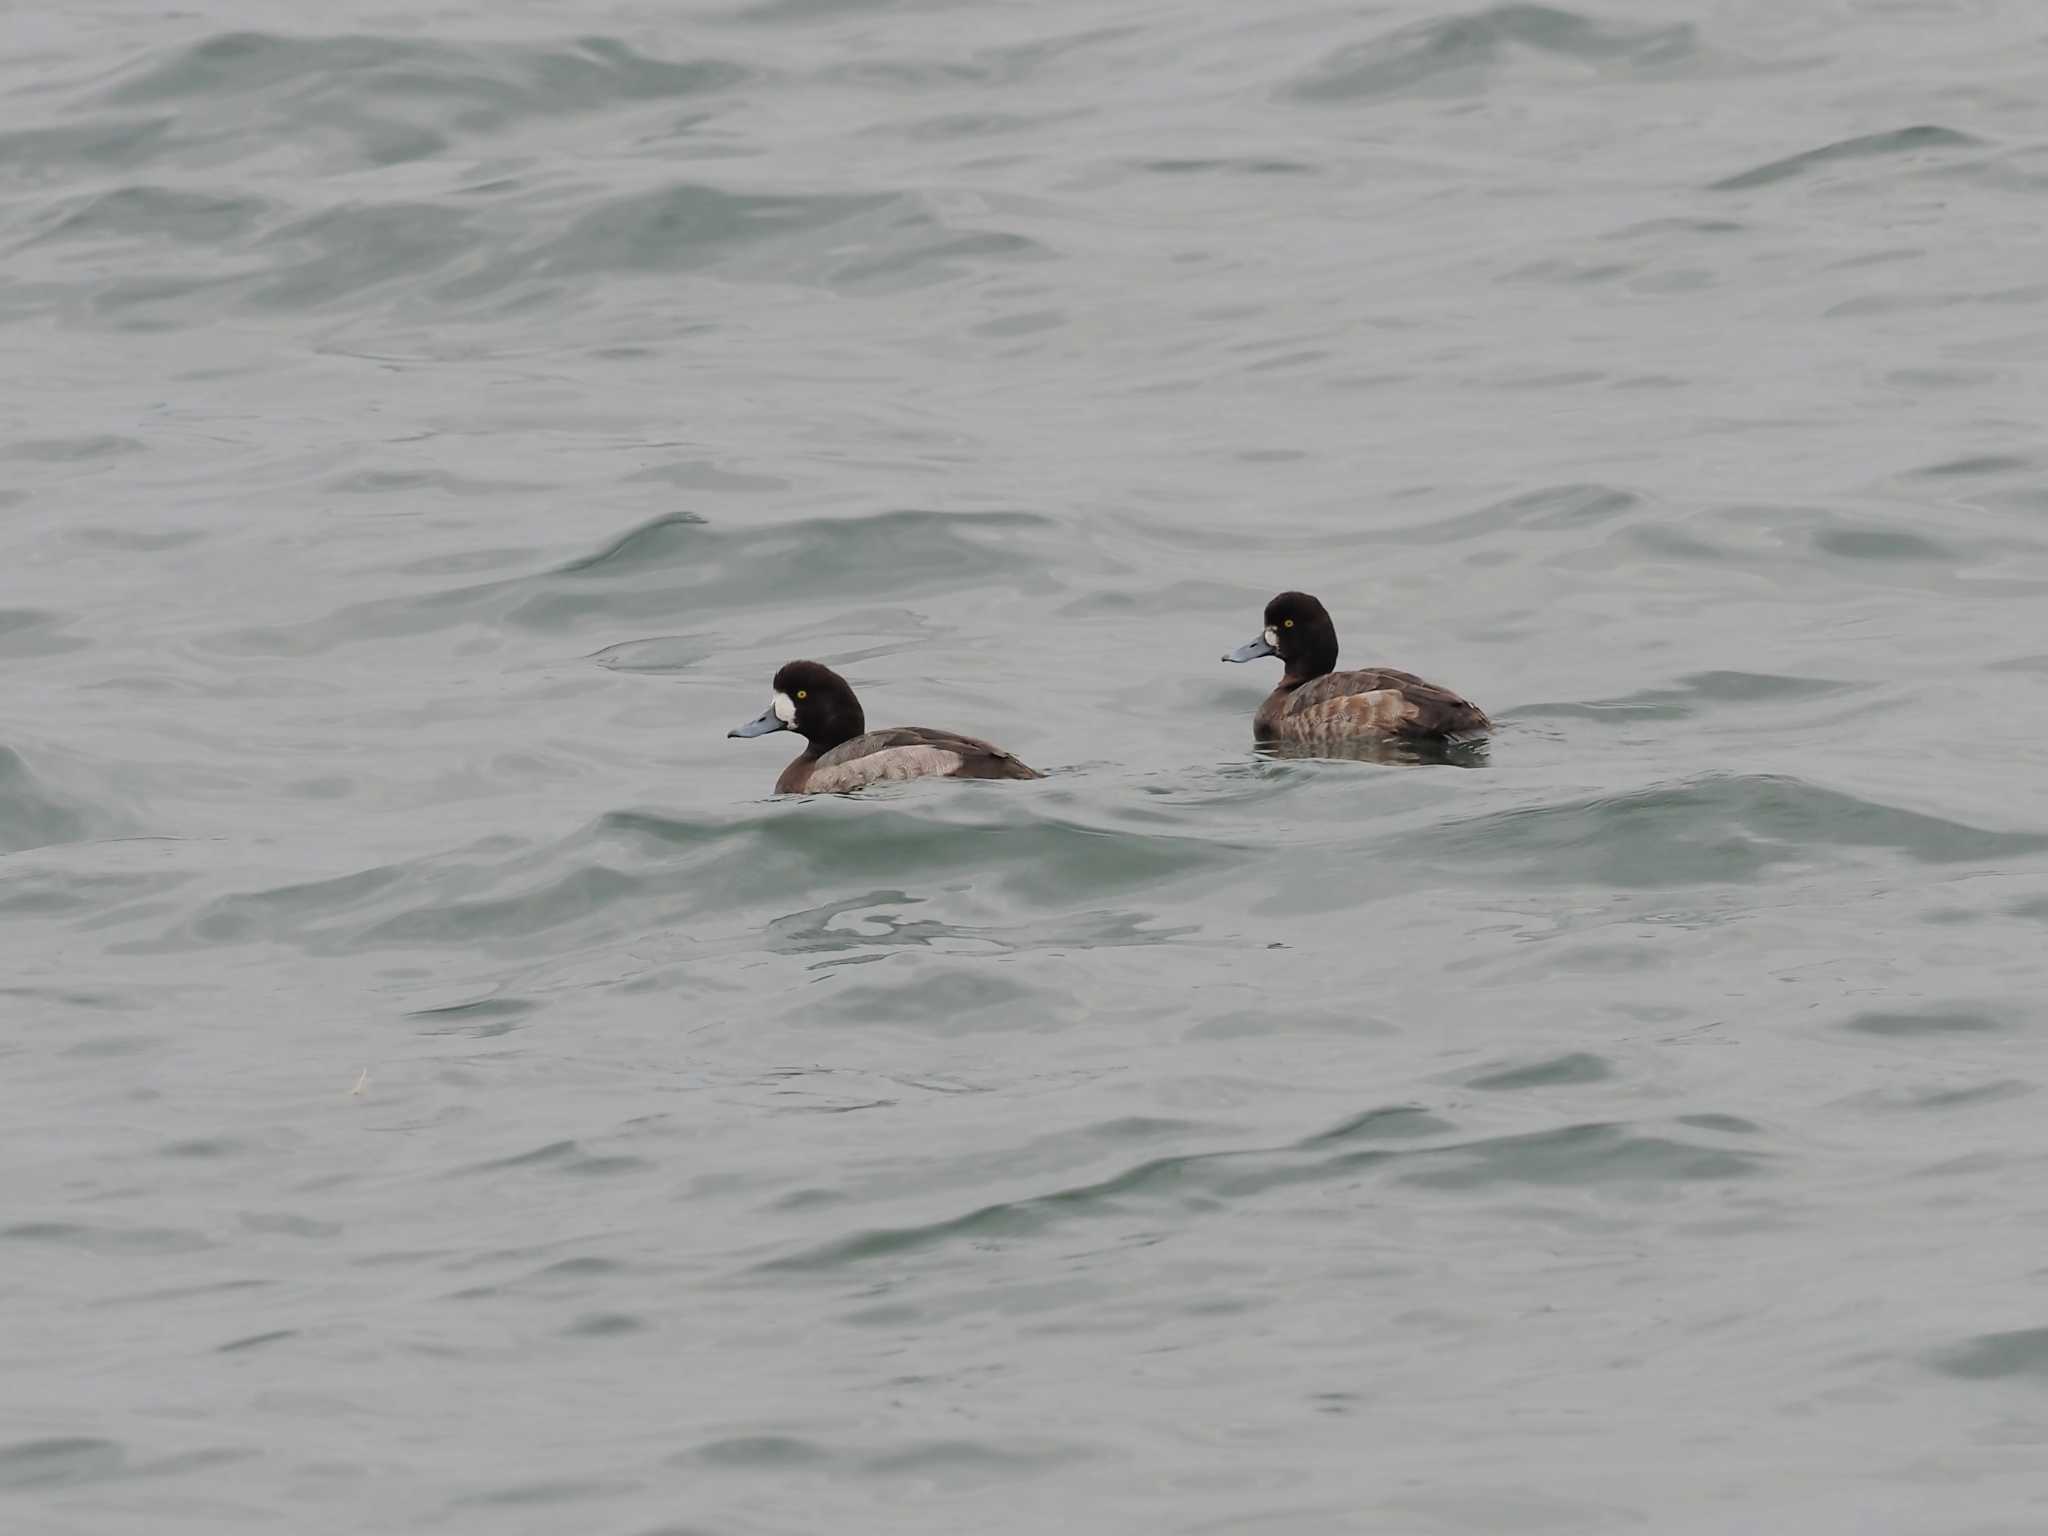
(445,1092)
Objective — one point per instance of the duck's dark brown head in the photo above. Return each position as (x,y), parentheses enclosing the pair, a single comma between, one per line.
(815,702)
(1298,630)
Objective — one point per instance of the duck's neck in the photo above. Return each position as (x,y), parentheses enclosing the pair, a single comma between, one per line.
(1318,659)
(835,731)
(1305,671)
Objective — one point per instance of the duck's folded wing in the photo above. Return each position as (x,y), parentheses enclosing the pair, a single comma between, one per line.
(913,752)
(1379,699)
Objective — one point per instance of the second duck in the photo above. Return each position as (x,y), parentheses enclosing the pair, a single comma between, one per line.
(1319,708)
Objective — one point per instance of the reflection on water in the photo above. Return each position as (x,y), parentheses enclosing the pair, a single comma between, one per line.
(1392,751)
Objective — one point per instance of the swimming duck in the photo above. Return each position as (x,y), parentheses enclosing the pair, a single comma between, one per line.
(1320,708)
(818,704)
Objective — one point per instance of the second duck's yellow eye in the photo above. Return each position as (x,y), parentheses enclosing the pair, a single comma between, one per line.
(800,693)
(1290,625)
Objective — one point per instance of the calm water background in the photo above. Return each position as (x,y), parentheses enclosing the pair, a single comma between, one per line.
(445,1092)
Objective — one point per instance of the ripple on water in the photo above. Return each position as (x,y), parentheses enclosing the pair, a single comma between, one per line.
(1553,509)
(681,563)
(953,1463)
(2018,1355)
(1572,1068)
(256,1341)
(565,901)
(776,1452)
(887,240)
(1582,1156)
(970,1463)
(636,871)
(953,1000)
(61,1462)
(1696,693)
(657,654)
(100,145)
(565,1157)
(467,257)
(1869,146)
(74,450)
(106,1238)
(309,86)
(343,103)
(605,1325)
(860,925)
(802,12)
(1973,466)
(1728,828)
(26,632)
(1462,53)
(36,814)
(286,911)
(791,851)
(1607,1156)
(485,1019)
(145,213)
(545,1493)
(1935,1023)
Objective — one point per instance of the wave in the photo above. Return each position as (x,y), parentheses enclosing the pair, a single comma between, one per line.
(477,87)
(35,813)
(1717,828)
(680,566)
(1461,52)
(1868,146)
(785,871)
(1587,1156)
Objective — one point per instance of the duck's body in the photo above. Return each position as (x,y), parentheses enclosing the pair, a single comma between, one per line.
(841,754)
(901,752)
(1319,708)
(1339,707)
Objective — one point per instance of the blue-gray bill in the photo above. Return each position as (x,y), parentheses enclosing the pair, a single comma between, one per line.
(760,725)
(1251,650)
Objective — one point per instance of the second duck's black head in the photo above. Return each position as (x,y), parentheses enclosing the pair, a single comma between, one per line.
(1298,630)
(815,702)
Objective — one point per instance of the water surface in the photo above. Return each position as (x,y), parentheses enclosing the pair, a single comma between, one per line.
(447,1092)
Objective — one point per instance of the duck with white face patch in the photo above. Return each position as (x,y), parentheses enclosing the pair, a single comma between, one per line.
(842,754)
(1319,708)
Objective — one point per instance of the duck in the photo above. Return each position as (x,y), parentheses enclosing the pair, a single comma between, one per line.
(842,754)
(1321,709)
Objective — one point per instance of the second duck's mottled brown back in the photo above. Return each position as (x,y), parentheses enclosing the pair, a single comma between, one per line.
(1369,701)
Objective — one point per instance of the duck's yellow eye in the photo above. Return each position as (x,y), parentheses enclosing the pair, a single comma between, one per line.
(802,694)
(1289,622)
